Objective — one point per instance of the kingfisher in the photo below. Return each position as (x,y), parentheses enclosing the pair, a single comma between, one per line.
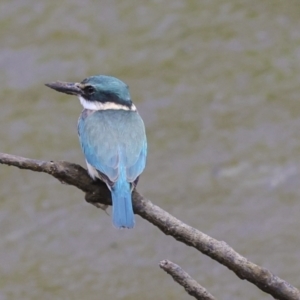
(112,138)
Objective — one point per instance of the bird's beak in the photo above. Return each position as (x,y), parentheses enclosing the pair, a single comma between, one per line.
(71,88)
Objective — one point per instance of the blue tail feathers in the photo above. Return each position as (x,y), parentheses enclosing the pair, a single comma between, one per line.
(122,212)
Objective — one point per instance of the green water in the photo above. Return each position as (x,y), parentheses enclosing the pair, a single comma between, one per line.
(217,85)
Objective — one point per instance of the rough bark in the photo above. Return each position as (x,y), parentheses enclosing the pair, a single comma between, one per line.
(191,286)
(97,192)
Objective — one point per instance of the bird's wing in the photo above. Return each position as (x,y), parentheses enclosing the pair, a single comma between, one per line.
(111,138)
(137,167)
(134,143)
(99,145)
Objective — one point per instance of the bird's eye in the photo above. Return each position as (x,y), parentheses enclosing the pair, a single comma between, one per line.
(89,90)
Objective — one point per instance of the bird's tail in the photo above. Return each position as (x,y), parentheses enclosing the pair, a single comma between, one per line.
(122,212)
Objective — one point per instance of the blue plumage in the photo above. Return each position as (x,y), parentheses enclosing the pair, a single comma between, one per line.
(122,212)
(112,137)
(114,143)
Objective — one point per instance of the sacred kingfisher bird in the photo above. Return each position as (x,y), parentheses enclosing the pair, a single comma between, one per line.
(112,137)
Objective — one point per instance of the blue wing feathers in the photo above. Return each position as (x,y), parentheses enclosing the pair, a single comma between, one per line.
(137,168)
(105,137)
(114,143)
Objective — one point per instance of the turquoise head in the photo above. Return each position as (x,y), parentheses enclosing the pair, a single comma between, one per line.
(98,92)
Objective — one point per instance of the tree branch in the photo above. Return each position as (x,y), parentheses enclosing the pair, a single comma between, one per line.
(97,192)
(192,287)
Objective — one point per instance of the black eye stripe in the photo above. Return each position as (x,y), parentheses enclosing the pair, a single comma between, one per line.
(89,90)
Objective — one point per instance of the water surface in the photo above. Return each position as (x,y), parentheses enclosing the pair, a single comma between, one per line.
(217,85)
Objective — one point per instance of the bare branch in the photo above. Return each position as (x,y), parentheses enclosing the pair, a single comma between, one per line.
(192,287)
(97,192)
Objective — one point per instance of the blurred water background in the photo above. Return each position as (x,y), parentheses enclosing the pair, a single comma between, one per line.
(217,84)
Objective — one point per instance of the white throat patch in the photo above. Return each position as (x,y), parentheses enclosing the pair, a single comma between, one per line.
(95,105)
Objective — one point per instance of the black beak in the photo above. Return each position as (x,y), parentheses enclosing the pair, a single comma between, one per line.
(71,88)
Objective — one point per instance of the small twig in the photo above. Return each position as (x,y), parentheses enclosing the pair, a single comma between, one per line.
(97,192)
(192,287)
